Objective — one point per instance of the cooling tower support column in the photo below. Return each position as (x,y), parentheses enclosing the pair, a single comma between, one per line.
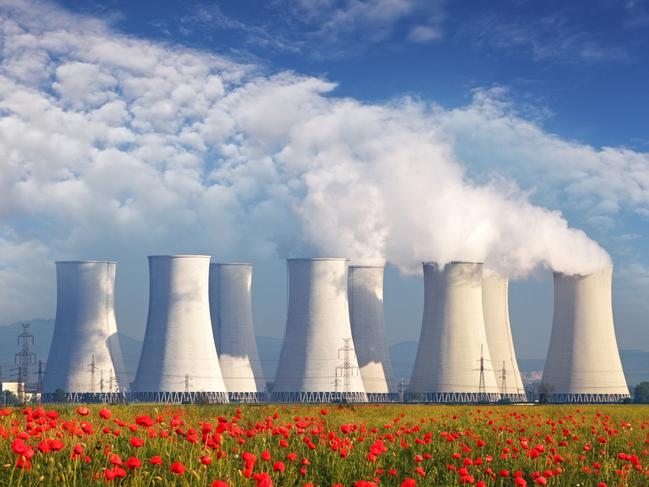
(234,333)
(495,305)
(453,363)
(583,362)
(85,348)
(318,362)
(178,361)
(365,292)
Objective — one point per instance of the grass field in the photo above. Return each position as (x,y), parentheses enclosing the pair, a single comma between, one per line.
(298,445)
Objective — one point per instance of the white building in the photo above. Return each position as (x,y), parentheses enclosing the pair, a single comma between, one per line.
(85,358)
(495,306)
(365,290)
(234,333)
(178,362)
(318,362)
(583,362)
(453,363)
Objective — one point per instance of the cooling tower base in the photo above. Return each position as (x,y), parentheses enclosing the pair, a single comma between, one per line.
(84,397)
(180,397)
(520,397)
(247,397)
(318,397)
(587,398)
(383,396)
(452,397)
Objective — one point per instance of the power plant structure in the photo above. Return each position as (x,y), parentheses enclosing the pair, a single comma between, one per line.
(365,291)
(583,362)
(318,362)
(495,307)
(453,363)
(234,333)
(179,362)
(85,350)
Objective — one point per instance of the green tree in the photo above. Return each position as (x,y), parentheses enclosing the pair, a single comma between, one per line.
(59,395)
(641,393)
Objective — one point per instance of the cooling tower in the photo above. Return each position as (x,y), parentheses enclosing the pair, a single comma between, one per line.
(318,362)
(234,333)
(178,362)
(453,362)
(495,306)
(365,290)
(583,362)
(85,359)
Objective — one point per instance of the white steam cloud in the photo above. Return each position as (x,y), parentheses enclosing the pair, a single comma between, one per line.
(114,145)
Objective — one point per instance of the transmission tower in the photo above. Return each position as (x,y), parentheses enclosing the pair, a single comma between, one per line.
(101,381)
(482,387)
(110,382)
(346,370)
(25,358)
(186,382)
(402,389)
(93,367)
(503,378)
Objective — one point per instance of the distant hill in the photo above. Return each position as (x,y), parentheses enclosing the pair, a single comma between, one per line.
(402,354)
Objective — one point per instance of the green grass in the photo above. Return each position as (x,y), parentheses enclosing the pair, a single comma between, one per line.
(574,439)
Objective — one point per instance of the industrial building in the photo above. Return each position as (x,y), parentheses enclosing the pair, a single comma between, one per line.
(583,362)
(179,362)
(234,333)
(495,306)
(453,363)
(365,290)
(85,359)
(318,362)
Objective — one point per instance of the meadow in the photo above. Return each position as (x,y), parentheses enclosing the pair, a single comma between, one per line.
(325,445)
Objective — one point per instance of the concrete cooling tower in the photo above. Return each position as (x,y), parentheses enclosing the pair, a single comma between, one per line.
(234,333)
(453,363)
(583,362)
(318,362)
(365,291)
(495,306)
(85,359)
(178,362)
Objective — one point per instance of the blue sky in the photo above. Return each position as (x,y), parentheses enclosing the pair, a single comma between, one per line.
(232,128)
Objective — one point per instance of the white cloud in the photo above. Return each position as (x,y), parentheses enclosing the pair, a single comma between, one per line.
(131,147)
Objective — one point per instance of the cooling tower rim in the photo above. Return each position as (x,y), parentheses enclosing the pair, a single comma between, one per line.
(563,274)
(367,266)
(432,262)
(312,259)
(232,263)
(85,262)
(180,256)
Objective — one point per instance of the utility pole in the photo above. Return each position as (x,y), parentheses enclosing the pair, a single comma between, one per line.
(24,359)
(346,369)
(92,374)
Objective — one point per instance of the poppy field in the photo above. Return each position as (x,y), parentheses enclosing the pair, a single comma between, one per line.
(328,445)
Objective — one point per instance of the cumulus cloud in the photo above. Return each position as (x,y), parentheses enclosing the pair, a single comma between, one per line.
(116,145)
